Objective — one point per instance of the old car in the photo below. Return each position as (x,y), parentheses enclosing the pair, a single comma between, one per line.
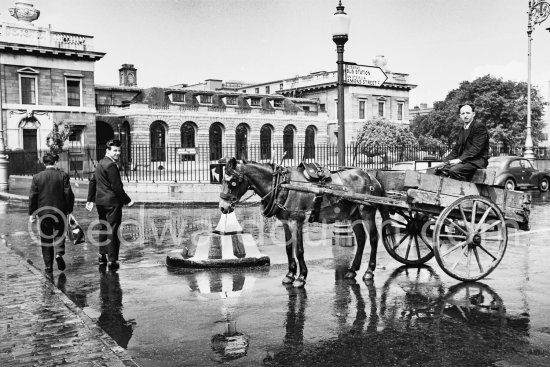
(517,172)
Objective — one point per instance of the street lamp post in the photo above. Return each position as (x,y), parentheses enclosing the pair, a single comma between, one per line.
(340,23)
(538,12)
(3,157)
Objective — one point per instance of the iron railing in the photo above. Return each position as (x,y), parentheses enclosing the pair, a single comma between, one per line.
(175,164)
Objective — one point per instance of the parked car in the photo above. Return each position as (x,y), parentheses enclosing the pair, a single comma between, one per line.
(420,165)
(516,172)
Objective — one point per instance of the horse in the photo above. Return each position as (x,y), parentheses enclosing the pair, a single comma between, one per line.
(293,207)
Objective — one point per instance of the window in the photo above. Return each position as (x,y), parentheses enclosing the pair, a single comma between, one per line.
(361,110)
(305,108)
(255,102)
(205,98)
(231,101)
(267,89)
(188,140)
(241,141)
(281,86)
(400,111)
(288,141)
(73,92)
(178,97)
(257,90)
(309,148)
(515,164)
(526,164)
(381,106)
(215,140)
(265,142)
(158,142)
(322,107)
(244,90)
(28,89)
(75,139)
(278,103)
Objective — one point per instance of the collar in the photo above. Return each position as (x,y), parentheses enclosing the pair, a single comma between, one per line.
(466,127)
(110,158)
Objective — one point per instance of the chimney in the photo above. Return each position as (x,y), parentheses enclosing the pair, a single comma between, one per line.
(213,84)
(128,75)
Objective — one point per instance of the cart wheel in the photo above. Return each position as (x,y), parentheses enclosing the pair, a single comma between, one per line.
(469,247)
(475,303)
(406,236)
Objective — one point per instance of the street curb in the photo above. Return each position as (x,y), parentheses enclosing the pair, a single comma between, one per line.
(180,262)
(152,204)
(88,321)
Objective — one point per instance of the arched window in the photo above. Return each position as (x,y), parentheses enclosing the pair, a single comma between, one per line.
(126,141)
(288,141)
(241,141)
(188,139)
(309,148)
(215,139)
(158,142)
(265,141)
(104,132)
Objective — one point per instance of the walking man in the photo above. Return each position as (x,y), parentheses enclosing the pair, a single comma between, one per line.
(51,199)
(472,148)
(107,191)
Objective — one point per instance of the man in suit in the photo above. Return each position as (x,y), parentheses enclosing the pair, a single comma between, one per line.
(51,199)
(472,148)
(107,191)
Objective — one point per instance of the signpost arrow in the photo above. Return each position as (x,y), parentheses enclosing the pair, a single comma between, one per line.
(364,75)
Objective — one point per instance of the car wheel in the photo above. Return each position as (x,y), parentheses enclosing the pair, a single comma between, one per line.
(544,184)
(510,184)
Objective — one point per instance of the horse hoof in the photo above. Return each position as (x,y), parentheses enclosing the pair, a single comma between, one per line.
(288,280)
(369,275)
(299,283)
(350,275)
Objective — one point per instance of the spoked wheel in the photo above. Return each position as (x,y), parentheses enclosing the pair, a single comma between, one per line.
(406,236)
(474,302)
(470,238)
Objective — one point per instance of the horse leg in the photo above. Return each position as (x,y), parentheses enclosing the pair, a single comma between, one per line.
(360,237)
(370,223)
(291,275)
(298,228)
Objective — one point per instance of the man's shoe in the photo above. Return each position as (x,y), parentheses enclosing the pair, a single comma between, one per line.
(60,262)
(102,259)
(114,264)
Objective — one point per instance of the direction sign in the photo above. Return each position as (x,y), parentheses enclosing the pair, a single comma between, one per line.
(371,76)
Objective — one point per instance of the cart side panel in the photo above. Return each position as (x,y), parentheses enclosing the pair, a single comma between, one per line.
(391,180)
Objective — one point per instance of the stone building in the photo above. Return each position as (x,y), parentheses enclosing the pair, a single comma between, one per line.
(206,121)
(390,99)
(46,78)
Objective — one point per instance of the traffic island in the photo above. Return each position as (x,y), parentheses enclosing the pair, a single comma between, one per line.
(226,247)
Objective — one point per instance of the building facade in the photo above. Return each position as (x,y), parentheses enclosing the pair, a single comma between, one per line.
(218,119)
(46,79)
(389,100)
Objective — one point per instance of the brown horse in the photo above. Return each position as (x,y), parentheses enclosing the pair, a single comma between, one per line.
(294,207)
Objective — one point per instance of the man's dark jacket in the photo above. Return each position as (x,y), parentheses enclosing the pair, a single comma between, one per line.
(106,187)
(51,188)
(472,145)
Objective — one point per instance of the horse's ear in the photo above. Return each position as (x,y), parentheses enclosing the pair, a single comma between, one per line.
(232,163)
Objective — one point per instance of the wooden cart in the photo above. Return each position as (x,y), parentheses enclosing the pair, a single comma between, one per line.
(464,224)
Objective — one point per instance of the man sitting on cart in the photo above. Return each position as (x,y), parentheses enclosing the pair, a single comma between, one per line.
(471,150)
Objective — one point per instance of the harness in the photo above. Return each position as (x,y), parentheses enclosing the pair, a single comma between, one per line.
(270,204)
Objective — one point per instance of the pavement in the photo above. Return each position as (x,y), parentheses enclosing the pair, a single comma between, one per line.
(41,326)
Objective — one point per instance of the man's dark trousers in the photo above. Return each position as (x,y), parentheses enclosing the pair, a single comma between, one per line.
(463,171)
(110,243)
(52,235)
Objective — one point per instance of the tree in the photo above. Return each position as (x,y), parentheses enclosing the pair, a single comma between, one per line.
(56,139)
(378,135)
(501,105)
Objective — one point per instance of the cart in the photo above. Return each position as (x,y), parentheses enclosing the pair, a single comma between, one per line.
(463,224)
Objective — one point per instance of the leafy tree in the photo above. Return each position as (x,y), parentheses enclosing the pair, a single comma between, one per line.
(501,105)
(378,134)
(56,139)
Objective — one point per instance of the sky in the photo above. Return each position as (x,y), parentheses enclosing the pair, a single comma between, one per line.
(439,43)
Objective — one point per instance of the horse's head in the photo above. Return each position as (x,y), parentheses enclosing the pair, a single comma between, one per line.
(234,185)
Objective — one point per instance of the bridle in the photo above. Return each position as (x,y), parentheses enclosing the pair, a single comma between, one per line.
(234,186)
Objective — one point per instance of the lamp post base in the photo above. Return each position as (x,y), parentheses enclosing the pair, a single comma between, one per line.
(3,172)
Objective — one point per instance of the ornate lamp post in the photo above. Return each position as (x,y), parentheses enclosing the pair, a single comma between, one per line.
(538,12)
(340,28)
(3,156)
